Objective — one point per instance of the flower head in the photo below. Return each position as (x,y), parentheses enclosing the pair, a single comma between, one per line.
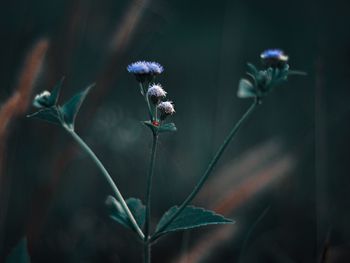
(42,100)
(145,70)
(139,67)
(156,93)
(155,68)
(166,109)
(274,58)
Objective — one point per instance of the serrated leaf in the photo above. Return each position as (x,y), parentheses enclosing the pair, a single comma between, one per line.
(53,99)
(168,127)
(19,253)
(190,217)
(48,114)
(117,213)
(246,89)
(70,109)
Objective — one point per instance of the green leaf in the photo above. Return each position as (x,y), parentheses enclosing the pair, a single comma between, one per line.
(47,114)
(190,217)
(53,99)
(19,253)
(117,213)
(70,109)
(168,127)
(246,89)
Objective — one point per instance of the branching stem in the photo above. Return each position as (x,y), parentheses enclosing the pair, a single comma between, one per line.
(209,169)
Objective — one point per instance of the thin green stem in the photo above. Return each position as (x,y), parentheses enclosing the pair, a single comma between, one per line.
(209,169)
(147,245)
(109,179)
(147,101)
(147,253)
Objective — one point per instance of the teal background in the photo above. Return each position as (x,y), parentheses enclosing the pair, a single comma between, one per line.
(289,163)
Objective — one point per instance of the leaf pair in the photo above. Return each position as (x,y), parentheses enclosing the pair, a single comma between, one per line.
(64,115)
(190,217)
(167,127)
(117,213)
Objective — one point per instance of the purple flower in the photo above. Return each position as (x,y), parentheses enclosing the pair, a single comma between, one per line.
(139,67)
(155,68)
(145,70)
(274,58)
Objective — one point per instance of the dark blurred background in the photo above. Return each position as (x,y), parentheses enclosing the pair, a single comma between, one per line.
(284,179)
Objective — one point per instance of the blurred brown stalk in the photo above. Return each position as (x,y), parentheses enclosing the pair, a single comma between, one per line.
(261,167)
(119,41)
(15,107)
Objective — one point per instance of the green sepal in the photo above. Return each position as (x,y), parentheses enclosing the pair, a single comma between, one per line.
(246,89)
(252,69)
(190,217)
(71,107)
(47,114)
(19,253)
(117,213)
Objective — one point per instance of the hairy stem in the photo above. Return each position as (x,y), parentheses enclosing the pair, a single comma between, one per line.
(109,179)
(147,245)
(209,169)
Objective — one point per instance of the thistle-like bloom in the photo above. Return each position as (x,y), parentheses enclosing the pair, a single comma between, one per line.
(156,93)
(155,68)
(274,58)
(42,100)
(139,67)
(145,70)
(166,109)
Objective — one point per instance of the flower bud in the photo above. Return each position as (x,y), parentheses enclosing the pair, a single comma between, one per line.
(42,100)
(166,108)
(156,93)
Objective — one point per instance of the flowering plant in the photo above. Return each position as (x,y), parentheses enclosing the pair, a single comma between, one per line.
(131,212)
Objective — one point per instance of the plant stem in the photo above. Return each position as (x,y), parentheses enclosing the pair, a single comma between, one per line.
(147,101)
(109,179)
(147,245)
(209,169)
